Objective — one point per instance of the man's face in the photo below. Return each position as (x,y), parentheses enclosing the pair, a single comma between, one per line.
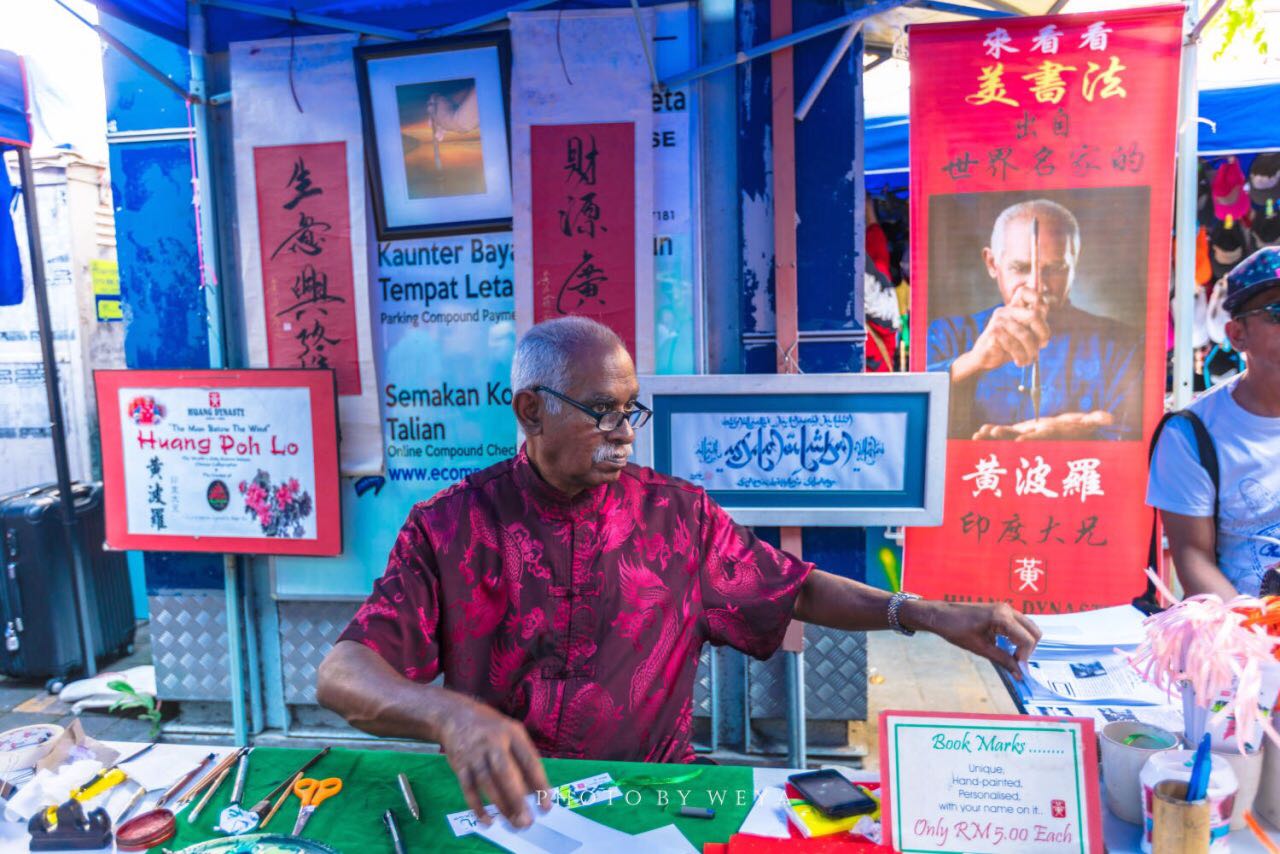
(1257,336)
(1012,271)
(572,451)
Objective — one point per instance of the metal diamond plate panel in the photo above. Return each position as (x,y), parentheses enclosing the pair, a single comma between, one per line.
(307,632)
(702,684)
(835,678)
(189,646)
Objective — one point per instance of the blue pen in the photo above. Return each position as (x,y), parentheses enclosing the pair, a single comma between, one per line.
(1198,785)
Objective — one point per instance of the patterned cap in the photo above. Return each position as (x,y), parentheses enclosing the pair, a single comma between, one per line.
(1252,276)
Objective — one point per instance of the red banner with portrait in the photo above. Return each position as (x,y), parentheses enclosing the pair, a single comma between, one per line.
(1042,167)
(584,224)
(304,225)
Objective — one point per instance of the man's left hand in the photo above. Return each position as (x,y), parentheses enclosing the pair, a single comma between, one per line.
(975,628)
(1068,425)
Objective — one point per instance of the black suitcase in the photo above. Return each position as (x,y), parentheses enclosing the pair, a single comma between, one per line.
(39,633)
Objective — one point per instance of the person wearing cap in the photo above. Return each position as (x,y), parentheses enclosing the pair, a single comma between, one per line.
(1090,366)
(1229,554)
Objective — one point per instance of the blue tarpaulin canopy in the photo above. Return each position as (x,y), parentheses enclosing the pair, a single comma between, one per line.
(1239,120)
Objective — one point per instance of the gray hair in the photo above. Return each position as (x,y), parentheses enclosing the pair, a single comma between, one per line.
(545,354)
(1040,208)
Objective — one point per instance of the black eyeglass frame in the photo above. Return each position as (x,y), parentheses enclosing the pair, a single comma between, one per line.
(1271,309)
(637,417)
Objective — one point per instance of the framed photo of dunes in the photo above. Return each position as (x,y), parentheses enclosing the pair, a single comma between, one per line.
(436,114)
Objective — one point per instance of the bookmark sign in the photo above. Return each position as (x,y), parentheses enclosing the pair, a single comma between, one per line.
(987,784)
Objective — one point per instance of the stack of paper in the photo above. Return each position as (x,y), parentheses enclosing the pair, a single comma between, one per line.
(560,831)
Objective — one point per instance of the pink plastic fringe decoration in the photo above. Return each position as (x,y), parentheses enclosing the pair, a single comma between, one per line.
(1199,643)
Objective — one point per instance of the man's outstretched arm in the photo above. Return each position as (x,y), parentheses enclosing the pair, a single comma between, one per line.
(840,603)
(490,753)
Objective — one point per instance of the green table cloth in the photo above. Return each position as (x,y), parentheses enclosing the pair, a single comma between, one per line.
(352,820)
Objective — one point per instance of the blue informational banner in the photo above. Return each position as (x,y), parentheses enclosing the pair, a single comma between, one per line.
(15,126)
(443,317)
(813,449)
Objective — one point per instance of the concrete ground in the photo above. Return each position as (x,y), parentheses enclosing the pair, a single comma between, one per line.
(919,672)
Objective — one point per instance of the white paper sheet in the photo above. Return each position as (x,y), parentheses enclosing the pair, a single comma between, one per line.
(1106,627)
(599,789)
(560,831)
(768,816)
(667,838)
(1166,717)
(1092,679)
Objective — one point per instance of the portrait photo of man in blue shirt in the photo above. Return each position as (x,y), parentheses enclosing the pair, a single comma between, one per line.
(1034,348)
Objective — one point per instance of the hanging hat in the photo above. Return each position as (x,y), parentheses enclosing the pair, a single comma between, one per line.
(1204,195)
(1255,274)
(1230,190)
(1264,178)
(1266,225)
(1228,246)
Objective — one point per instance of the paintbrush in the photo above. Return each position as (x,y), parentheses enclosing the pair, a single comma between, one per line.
(284,796)
(263,805)
(207,779)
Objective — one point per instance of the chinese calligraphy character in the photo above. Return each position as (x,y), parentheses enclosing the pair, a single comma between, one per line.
(581,162)
(1082,160)
(1046,41)
(314,339)
(999,163)
(311,289)
(1061,122)
(157,518)
(1085,534)
(304,238)
(991,88)
(154,465)
(1129,159)
(585,281)
(154,494)
(1108,78)
(1095,36)
(300,182)
(1029,571)
(1031,479)
(986,477)
(1025,126)
(1083,478)
(1012,530)
(996,41)
(582,220)
(1043,166)
(1048,529)
(974,522)
(1047,83)
(961,167)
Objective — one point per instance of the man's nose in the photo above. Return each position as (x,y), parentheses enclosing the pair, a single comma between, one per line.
(623,433)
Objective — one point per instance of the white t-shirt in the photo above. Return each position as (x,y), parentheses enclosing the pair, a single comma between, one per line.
(1248,448)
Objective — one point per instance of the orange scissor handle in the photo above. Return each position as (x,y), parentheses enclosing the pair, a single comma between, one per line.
(314,792)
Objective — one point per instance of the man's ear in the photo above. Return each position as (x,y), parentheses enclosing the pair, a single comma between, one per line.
(989,258)
(1236,334)
(529,411)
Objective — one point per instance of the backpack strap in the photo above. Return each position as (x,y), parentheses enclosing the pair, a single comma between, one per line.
(1148,602)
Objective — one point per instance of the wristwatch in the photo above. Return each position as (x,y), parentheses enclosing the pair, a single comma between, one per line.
(895,605)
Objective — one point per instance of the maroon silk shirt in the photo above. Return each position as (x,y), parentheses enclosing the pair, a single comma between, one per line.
(585,617)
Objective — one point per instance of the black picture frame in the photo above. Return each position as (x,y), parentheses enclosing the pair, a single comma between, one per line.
(395,225)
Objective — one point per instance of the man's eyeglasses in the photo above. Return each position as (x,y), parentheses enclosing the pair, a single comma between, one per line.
(1272,311)
(609,421)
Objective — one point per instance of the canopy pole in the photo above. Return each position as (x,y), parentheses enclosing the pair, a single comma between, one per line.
(485,20)
(1185,226)
(306,18)
(205,199)
(66,500)
(828,68)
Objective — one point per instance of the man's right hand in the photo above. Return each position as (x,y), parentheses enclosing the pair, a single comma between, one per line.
(493,756)
(1015,333)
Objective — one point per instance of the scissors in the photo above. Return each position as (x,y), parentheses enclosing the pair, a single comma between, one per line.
(313,793)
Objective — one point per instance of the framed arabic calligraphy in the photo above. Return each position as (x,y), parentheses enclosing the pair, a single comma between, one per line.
(436,114)
(810,450)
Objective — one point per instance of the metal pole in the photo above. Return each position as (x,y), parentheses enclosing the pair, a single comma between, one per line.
(206,218)
(828,68)
(797,737)
(66,501)
(1185,223)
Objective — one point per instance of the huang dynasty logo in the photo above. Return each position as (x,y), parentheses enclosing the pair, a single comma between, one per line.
(1059,808)
(1028,575)
(215,400)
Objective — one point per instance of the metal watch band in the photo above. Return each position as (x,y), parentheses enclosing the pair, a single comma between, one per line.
(895,605)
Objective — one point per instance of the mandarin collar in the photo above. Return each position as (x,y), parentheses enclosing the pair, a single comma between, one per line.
(550,499)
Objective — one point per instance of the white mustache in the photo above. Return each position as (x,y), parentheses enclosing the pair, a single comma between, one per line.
(611,453)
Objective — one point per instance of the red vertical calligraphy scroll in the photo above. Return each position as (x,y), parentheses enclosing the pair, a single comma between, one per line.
(1042,171)
(304,226)
(584,241)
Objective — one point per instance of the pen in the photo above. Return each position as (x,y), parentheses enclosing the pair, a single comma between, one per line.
(1198,785)
(410,801)
(389,819)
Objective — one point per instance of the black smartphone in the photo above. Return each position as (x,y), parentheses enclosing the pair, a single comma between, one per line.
(832,794)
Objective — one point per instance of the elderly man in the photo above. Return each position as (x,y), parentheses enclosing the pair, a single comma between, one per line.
(1090,367)
(566,594)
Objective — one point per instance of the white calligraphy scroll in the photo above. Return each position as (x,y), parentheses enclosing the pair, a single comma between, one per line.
(813,451)
(266,77)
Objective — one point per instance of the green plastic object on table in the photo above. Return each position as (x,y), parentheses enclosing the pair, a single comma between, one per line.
(372,789)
